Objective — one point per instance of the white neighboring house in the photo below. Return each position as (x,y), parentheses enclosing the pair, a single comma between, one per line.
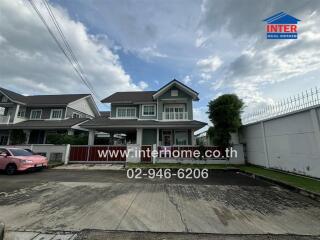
(39,115)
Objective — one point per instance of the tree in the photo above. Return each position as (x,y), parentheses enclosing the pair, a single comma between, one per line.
(224,113)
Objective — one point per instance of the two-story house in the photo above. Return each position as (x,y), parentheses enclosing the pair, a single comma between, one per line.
(163,117)
(39,115)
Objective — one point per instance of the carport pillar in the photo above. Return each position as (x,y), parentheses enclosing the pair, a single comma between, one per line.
(139,136)
(91,137)
(158,135)
(193,139)
(27,132)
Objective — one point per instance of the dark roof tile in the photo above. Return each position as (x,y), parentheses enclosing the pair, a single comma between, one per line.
(129,97)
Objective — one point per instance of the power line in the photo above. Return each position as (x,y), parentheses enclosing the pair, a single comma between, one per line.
(56,23)
(71,57)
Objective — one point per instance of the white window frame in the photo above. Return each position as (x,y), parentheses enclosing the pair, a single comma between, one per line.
(178,105)
(174,93)
(22,110)
(126,117)
(148,115)
(75,113)
(56,109)
(35,110)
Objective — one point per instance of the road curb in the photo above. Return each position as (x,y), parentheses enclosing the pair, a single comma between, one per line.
(1,231)
(312,195)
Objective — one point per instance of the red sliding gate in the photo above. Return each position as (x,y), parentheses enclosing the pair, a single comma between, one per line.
(97,153)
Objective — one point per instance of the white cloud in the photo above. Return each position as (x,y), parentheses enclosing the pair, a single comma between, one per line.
(30,61)
(200,114)
(143,85)
(261,63)
(149,53)
(186,79)
(209,64)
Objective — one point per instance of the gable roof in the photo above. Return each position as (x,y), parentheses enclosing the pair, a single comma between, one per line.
(42,100)
(130,97)
(13,96)
(108,123)
(45,124)
(281,18)
(179,85)
(148,96)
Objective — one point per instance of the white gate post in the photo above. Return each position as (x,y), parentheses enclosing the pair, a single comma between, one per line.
(67,154)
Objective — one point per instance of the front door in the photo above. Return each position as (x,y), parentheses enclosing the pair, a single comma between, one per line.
(167,138)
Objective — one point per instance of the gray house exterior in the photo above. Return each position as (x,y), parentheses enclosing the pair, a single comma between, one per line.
(39,115)
(163,117)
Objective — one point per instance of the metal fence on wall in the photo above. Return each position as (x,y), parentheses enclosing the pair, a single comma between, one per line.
(304,100)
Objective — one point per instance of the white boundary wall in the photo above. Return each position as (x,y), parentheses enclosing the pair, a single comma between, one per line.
(290,143)
(49,149)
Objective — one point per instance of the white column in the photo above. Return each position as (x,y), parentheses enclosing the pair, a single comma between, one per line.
(67,154)
(316,125)
(158,135)
(139,136)
(193,139)
(16,114)
(265,146)
(91,137)
(9,136)
(27,132)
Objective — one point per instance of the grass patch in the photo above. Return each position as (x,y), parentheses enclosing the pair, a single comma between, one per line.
(305,183)
(177,165)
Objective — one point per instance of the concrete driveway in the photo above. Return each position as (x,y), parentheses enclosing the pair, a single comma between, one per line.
(227,203)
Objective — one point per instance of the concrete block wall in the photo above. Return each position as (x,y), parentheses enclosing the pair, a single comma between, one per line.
(290,143)
(50,150)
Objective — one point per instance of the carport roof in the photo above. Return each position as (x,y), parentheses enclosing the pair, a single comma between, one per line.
(45,124)
(105,123)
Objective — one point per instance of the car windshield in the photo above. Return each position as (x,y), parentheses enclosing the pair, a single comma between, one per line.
(20,152)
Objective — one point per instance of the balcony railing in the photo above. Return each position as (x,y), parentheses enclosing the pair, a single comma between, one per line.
(175,116)
(4,119)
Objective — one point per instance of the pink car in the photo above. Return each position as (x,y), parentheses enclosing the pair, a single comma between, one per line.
(18,159)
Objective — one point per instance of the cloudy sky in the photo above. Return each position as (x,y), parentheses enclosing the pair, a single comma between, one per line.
(214,46)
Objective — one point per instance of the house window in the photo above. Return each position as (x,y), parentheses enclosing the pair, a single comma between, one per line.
(56,114)
(175,112)
(126,112)
(2,111)
(174,93)
(36,114)
(148,110)
(22,112)
(75,115)
(181,137)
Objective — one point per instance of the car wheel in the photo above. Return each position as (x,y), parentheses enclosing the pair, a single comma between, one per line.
(11,169)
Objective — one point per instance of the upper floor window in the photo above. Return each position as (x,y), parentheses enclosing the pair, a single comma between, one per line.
(75,115)
(22,112)
(148,110)
(126,112)
(4,99)
(36,114)
(174,93)
(56,114)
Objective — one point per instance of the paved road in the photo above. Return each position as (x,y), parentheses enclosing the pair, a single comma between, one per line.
(227,203)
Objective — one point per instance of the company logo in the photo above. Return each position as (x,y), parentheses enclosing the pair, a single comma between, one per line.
(282,26)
